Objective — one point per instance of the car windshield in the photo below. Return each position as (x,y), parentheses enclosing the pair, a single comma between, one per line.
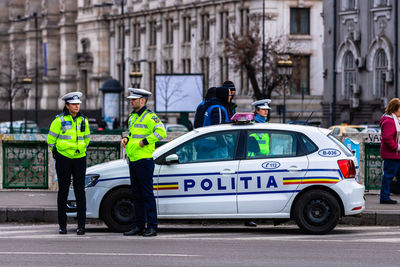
(353,129)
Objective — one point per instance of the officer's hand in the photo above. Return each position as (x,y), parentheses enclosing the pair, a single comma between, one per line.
(141,144)
(124,141)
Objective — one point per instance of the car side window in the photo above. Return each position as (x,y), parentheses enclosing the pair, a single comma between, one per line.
(266,144)
(336,131)
(211,147)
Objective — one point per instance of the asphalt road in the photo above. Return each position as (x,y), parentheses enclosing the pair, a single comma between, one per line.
(185,245)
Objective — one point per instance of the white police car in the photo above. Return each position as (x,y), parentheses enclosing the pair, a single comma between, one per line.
(242,171)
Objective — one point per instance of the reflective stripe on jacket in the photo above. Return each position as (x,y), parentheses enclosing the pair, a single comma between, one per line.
(65,134)
(147,127)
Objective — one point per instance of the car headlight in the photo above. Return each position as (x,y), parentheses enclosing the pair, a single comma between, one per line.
(91,179)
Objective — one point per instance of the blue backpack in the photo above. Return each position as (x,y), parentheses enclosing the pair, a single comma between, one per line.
(207,115)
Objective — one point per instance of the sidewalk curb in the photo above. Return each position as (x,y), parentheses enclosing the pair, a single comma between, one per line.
(46,215)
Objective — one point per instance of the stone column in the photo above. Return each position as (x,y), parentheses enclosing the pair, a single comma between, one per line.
(51,53)
(68,48)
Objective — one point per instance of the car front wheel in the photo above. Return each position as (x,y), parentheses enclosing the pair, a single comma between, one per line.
(118,211)
(317,212)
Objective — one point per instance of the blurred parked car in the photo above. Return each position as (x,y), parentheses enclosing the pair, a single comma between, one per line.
(19,127)
(176,128)
(339,130)
(371,128)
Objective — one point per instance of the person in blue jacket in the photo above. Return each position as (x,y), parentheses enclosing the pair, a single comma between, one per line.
(216,112)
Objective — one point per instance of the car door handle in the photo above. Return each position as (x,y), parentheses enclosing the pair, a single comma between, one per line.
(227,171)
(294,169)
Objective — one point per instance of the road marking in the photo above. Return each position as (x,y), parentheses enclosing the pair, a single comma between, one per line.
(93,253)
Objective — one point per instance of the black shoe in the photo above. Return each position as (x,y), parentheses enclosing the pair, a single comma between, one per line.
(250,223)
(80,231)
(150,232)
(62,231)
(388,201)
(134,231)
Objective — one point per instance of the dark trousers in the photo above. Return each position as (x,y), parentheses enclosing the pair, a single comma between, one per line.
(390,168)
(141,173)
(66,167)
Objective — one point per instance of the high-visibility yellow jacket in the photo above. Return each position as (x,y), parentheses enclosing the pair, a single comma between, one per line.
(143,125)
(68,136)
(263,142)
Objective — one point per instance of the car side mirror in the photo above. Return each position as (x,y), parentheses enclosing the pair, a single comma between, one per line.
(173,158)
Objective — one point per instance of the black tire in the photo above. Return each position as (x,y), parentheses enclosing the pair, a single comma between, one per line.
(117,210)
(317,212)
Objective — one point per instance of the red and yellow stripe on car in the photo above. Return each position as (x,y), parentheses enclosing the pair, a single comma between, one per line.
(166,186)
(311,180)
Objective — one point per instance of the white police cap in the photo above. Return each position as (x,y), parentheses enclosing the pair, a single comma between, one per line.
(135,93)
(262,104)
(72,98)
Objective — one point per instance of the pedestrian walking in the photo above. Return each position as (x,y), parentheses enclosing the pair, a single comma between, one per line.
(216,112)
(390,148)
(145,129)
(68,138)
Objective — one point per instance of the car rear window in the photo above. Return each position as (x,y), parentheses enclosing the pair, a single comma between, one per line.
(342,147)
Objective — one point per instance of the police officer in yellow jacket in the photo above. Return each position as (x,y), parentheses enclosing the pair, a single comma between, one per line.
(261,116)
(145,129)
(68,138)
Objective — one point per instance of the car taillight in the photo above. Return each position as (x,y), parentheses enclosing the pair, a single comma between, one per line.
(347,168)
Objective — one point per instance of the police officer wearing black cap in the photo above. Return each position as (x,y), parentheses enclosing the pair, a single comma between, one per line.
(68,138)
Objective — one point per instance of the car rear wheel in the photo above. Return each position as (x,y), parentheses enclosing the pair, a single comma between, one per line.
(118,211)
(317,212)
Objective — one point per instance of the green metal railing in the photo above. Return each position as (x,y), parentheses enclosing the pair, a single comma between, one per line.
(99,152)
(373,166)
(25,164)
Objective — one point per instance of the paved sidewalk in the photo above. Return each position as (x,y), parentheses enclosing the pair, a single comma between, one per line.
(41,206)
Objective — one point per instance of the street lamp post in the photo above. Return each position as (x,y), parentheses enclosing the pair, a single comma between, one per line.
(122,5)
(35,18)
(27,87)
(135,77)
(285,67)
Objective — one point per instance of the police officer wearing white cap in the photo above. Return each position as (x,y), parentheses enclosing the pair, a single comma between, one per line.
(145,129)
(68,138)
(261,110)
(260,116)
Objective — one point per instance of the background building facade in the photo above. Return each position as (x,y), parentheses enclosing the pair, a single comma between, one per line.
(361,59)
(83,43)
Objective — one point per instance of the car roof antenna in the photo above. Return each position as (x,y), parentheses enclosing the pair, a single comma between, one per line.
(309,117)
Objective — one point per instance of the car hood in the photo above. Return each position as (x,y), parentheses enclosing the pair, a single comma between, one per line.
(115,168)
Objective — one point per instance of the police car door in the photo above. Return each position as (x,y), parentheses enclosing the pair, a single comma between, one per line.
(203,181)
(273,160)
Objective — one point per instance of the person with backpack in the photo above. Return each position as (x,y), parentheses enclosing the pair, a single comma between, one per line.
(216,112)
(201,108)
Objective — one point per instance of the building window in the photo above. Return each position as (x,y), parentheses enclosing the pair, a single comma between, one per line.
(349,72)
(349,4)
(300,80)
(379,3)
(224,25)
(152,72)
(224,68)
(87,3)
(186,29)
(136,67)
(152,33)
(186,65)
(168,66)
(244,21)
(299,21)
(169,31)
(120,36)
(205,27)
(381,66)
(136,34)
(205,69)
